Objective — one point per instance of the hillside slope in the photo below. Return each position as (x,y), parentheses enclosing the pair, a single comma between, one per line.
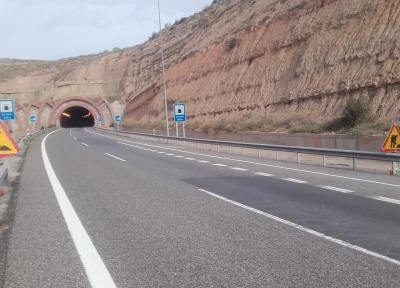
(276,63)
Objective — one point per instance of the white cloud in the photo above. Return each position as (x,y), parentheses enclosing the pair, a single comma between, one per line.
(53,29)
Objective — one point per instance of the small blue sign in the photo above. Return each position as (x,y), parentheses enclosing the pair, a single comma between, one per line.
(32,119)
(180,112)
(118,118)
(7,109)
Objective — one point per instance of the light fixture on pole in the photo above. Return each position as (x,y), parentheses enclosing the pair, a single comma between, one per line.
(163,69)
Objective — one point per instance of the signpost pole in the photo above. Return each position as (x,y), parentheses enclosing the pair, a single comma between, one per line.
(184,129)
(177,129)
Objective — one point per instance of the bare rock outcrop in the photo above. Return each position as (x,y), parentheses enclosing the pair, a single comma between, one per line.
(238,57)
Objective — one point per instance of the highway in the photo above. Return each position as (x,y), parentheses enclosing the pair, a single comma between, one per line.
(99,210)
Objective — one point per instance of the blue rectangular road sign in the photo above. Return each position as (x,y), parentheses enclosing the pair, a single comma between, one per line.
(7,109)
(180,112)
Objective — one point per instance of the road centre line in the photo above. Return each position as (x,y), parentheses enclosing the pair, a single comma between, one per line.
(249,162)
(219,165)
(264,174)
(239,169)
(115,157)
(95,268)
(304,229)
(295,180)
(337,189)
(386,199)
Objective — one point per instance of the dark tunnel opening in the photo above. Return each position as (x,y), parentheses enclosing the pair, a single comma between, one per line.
(76,116)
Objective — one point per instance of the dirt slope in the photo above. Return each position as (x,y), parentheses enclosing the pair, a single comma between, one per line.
(236,61)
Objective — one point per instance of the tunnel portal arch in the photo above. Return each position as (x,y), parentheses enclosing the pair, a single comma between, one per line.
(79,102)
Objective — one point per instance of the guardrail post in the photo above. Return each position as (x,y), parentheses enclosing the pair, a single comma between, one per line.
(395,168)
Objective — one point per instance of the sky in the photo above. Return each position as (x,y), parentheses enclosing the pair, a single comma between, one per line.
(55,29)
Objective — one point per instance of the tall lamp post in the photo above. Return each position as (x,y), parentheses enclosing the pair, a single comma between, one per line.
(163,70)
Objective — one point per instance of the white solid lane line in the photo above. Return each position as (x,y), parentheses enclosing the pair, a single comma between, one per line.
(304,229)
(386,199)
(239,169)
(250,162)
(264,174)
(95,268)
(84,144)
(115,157)
(295,180)
(337,189)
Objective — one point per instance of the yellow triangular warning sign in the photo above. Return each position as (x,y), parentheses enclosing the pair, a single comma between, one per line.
(8,147)
(392,141)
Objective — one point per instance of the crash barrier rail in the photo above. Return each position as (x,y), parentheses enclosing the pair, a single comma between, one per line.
(376,162)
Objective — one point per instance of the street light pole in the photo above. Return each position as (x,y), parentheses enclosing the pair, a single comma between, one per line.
(163,70)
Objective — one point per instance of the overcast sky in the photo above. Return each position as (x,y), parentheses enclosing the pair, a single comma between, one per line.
(54,29)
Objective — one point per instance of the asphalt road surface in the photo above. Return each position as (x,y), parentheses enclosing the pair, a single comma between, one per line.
(97,210)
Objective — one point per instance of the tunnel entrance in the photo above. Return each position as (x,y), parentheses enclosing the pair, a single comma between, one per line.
(76,116)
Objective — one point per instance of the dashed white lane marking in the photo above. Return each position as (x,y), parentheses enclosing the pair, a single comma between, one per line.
(219,165)
(169,154)
(239,169)
(204,161)
(160,152)
(84,144)
(386,199)
(70,132)
(249,162)
(95,268)
(179,156)
(264,174)
(295,180)
(304,229)
(337,189)
(190,159)
(115,157)
(75,138)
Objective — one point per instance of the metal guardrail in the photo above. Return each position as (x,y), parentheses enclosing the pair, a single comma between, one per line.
(306,150)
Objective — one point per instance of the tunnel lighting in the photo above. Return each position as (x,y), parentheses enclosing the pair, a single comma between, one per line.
(87,115)
(66,115)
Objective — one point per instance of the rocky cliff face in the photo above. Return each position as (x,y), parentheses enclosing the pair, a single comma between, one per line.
(241,59)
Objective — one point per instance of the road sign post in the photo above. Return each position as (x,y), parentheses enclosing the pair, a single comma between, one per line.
(33,120)
(7,112)
(8,146)
(180,117)
(392,140)
(118,119)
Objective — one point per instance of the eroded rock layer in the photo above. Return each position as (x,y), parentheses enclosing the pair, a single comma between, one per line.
(239,57)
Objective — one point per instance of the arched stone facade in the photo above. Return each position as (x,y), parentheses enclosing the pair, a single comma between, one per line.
(49,113)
